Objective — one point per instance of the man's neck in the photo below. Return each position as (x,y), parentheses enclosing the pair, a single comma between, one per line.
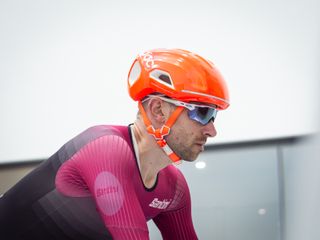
(151,157)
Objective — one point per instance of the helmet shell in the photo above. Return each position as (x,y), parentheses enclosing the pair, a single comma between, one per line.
(178,74)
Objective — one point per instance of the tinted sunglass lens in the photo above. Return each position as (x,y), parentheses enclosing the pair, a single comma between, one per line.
(203,115)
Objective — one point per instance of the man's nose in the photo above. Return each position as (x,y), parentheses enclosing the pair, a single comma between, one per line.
(210,130)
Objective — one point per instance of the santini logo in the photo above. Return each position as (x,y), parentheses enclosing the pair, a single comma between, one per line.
(107,190)
(160,204)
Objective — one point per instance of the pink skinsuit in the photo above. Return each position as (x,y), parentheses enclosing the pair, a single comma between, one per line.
(106,169)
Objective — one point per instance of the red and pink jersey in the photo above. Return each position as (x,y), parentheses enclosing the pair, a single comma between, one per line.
(91,188)
(106,169)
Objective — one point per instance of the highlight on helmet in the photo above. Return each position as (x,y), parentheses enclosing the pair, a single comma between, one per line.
(178,74)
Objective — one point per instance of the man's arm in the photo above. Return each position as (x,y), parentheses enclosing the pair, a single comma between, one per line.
(103,168)
(176,225)
(176,222)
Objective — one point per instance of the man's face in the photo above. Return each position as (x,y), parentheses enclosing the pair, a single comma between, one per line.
(187,137)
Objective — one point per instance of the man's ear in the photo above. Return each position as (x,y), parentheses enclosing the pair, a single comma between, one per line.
(156,110)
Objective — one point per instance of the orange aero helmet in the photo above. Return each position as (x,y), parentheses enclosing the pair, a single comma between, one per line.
(178,74)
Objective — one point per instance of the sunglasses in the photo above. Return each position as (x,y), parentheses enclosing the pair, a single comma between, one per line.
(199,113)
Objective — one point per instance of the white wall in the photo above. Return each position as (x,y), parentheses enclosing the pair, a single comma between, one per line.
(63,65)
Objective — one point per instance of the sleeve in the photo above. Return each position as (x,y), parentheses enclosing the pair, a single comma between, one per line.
(176,223)
(103,169)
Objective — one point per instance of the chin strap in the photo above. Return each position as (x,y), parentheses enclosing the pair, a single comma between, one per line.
(160,133)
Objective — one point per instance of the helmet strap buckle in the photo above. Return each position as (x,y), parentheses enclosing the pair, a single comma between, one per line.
(160,133)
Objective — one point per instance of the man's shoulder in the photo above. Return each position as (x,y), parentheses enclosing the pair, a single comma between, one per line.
(102,130)
(89,136)
(97,131)
(173,171)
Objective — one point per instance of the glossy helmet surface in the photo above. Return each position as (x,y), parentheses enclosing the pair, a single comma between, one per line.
(178,74)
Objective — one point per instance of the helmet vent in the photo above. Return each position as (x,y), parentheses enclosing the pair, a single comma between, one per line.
(134,73)
(162,77)
(165,78)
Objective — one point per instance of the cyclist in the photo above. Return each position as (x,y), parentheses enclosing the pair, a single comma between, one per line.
(108,181)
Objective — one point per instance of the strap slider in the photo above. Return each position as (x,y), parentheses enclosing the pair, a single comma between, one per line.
(158,133)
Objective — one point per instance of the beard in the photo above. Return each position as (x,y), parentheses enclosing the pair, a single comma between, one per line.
(187,152)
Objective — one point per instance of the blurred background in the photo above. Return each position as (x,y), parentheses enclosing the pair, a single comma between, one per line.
(63,68)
